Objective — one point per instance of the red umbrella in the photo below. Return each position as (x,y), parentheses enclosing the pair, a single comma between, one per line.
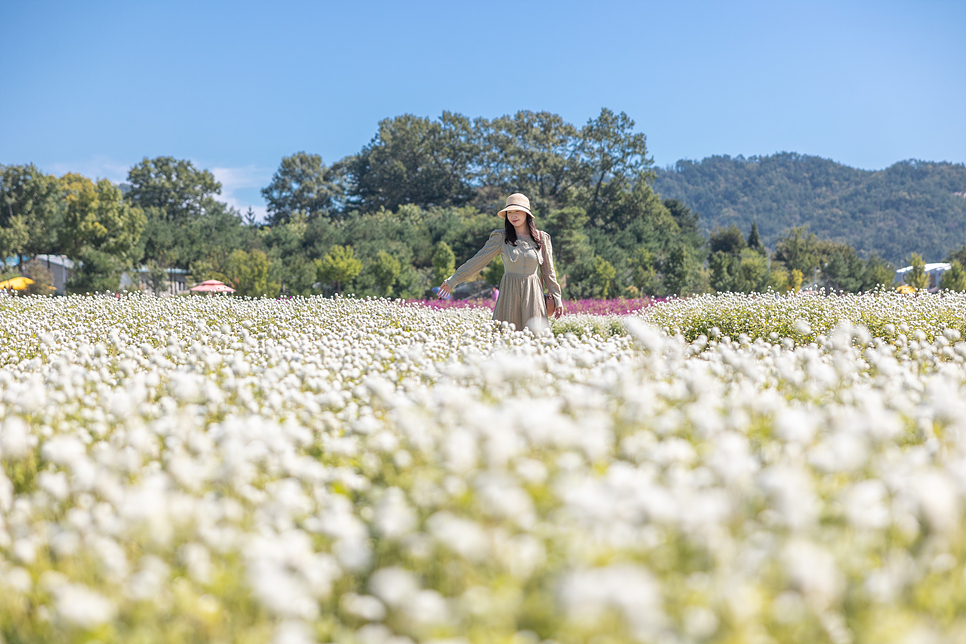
(212,286)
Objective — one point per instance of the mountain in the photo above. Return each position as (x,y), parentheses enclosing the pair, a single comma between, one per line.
(911,206)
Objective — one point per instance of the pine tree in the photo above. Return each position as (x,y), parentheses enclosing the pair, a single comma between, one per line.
(754,239)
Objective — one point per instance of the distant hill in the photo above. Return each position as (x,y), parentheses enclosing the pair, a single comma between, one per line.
(911,206)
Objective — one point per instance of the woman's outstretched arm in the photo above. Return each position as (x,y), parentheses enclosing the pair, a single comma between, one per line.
(551,275)
(472,267)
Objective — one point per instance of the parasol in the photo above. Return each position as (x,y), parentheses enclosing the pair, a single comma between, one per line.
(212,286)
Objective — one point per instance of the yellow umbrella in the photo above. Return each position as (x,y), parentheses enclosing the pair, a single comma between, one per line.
(905,288)
(17,283)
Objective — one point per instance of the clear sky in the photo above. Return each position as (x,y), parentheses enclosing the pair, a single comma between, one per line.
(94,87)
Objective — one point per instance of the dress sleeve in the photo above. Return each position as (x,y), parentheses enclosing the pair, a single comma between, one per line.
(550,273)
(472,267)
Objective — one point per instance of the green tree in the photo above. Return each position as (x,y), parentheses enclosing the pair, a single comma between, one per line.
(877,273)
(679,269)
(614,158)
(174,187)
(536,153)
(250,273)
(338,267)
(386,269)
(30,205)
(604,273)
(493,273)
(841,267)
(795,280)
(687,221)
(797,248)
(414,160)
(754,240)
(957,255)
(728,240)
(753,272)
(97,218)
(916,277)
(644,276)
(955,278)
(95,272)
(302,183)
(444,262)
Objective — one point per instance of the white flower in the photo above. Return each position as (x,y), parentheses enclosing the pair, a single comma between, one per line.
(80,606)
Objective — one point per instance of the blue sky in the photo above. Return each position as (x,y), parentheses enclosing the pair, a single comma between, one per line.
(94,87)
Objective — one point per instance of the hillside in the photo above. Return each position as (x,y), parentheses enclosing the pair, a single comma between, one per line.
(911,206)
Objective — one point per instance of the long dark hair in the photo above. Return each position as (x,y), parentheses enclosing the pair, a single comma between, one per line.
(511,232)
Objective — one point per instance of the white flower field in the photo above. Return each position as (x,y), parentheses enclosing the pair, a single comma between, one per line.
(727,469)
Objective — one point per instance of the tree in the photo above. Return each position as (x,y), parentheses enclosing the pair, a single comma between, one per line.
(916,277)
(795,280)
(955,278)
(386,270)
(444,262)
(958,255)
(614,157)
(728,240)
(678,269)
(797,248)
(604,273)
(250,273)
(302,183)
(174,187)
(754,240)
(493,273)
(29,211)
(536,153)
(644,276)
(415,160)
(98,219)
(842,268)
(877,273)
(687,221)
(96,272)
(338,267)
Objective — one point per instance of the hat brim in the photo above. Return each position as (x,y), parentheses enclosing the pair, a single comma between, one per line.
(503,212)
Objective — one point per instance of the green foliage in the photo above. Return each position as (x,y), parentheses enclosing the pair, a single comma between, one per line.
(911,206)
(877,272)
(444,262)
(386,270)
(250,273)
(97,218)
(754,240)
(43,281)
(338,267)
(493,273)
(175,187)
(604,273)
(644,277)
(414,160)
(29,211)
(916,277)
(955,278)
(957,255)
(302,183)
(96,272)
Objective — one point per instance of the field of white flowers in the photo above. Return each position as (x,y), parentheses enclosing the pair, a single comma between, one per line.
(726,469)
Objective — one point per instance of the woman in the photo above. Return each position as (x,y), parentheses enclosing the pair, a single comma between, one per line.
(527,260)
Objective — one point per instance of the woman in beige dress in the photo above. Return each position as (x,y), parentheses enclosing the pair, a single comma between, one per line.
(528,263)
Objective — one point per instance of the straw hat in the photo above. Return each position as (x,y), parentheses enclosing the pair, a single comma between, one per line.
(516,201)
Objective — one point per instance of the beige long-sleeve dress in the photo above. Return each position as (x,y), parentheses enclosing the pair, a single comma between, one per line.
(521,300)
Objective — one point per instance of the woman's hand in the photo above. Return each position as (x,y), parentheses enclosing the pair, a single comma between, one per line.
(558,310)
(444,291)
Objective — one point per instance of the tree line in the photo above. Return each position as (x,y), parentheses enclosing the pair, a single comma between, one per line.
(909,207)
(397,217)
